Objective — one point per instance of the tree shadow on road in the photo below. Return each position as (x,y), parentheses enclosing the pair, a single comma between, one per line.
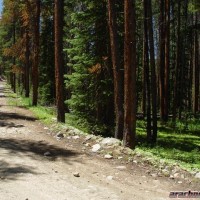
(7,116)
(12,172)
(35,149)
(10,124)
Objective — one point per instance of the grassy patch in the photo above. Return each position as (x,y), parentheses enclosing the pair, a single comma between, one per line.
(180,145)
(46,114)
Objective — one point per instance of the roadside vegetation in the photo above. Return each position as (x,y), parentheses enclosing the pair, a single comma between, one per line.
(176,145)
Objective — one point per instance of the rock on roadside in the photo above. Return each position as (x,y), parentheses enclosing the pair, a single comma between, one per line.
(96,148)
(197,175)
(109,142)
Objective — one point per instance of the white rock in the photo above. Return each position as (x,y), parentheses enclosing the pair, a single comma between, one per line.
(96,148)
(179,182)
(108,156)
(109,178)
(76,137)
(106,142)
(120,157)
(135,161)
(121,167)
(154,175)
(176,175)
(182,176)
(46,128)
(171,177)
(197,175)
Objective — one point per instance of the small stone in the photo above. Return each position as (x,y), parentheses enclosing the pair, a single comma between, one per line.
(47,153)
(120,157)
(109,178)
(182,176)
(171,177)
(165,172)
(148,172)
(179,182)
(76,174)
(108,156)
(96,148)
(176,175)
(197,175)
(130,159)
(154,175)
(87,144)
(76,137)
(135,161)
(46,128)
(106,142)
(59,136)
(89,137)
(121,167)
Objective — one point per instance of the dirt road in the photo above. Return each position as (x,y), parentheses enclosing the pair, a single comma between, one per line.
(25,173)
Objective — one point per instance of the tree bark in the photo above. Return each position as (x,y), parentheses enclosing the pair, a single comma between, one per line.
(35,71)
(146,79)
(167,59)
(27,64)
(196,70)
(14,58)
(162,59)
(117,71)
(59,68)
(175,101)
(129,74)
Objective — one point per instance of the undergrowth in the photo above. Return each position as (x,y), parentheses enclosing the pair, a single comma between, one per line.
(179,144)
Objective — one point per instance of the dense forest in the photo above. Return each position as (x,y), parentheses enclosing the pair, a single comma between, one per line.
(111,63)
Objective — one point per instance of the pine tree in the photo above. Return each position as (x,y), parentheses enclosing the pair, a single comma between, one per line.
(59,71)
(129,74)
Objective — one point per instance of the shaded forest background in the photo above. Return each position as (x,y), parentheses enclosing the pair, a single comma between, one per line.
(109,63)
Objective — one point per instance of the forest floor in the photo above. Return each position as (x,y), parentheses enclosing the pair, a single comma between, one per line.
(35,165)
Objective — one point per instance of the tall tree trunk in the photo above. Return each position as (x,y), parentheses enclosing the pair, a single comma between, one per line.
(129,74)
(59,68)
(162,59)
(175,100)
(196,70)
(167,59)
(14,59)
(27,65)
(146,76)
(35,71)
(117,71)
(153,73)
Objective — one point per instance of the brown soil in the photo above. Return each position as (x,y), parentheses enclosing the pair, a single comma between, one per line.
(25,173)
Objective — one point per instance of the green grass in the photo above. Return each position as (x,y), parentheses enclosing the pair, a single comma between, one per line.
(46,114)
(179,145)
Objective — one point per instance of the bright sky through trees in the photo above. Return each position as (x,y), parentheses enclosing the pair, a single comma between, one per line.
(1,3)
